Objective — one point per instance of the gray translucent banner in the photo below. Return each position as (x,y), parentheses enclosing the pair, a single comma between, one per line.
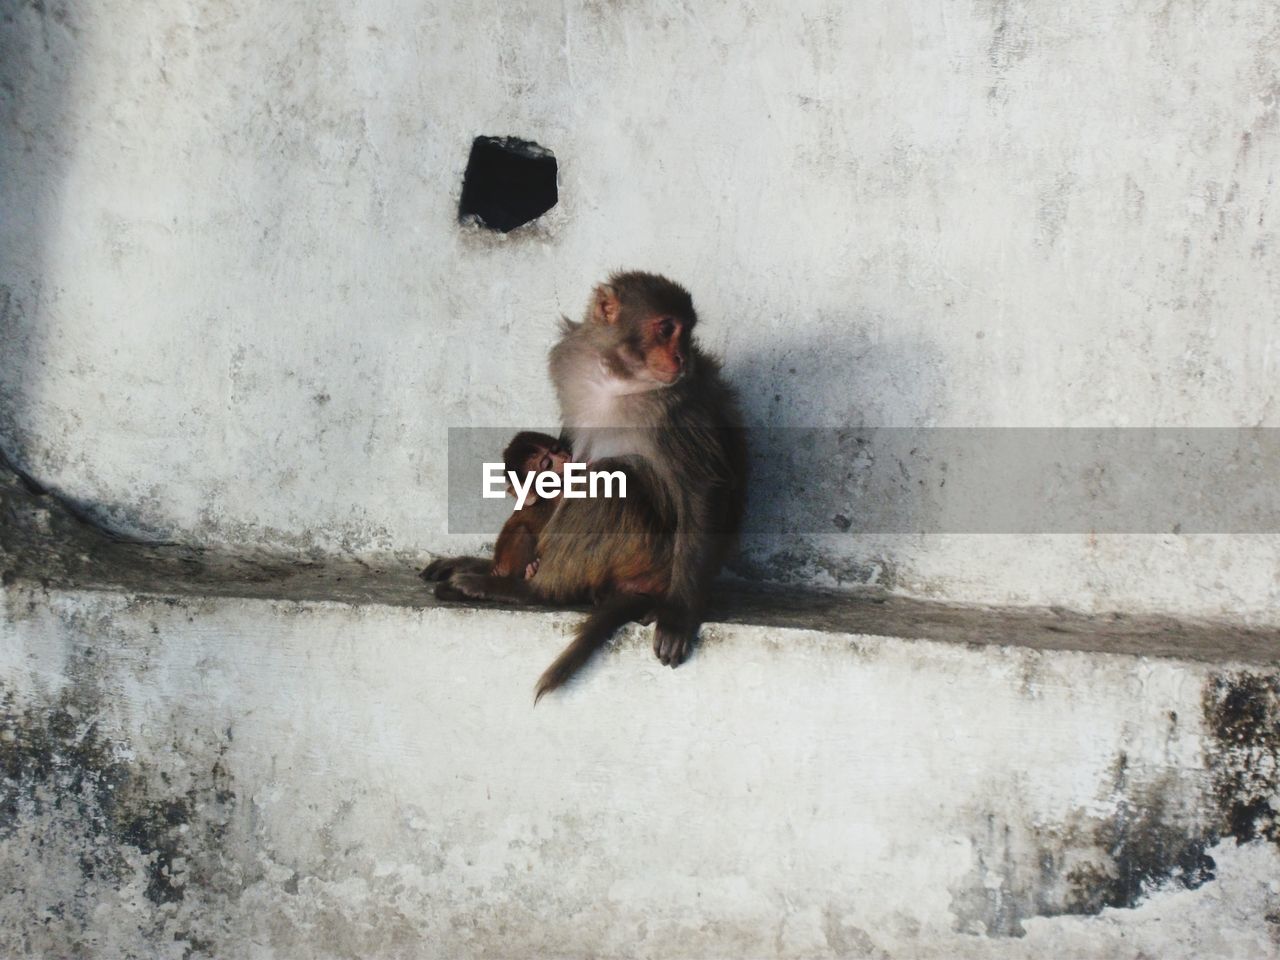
(1011,480)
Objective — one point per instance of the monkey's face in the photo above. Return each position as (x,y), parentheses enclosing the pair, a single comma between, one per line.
(642,325)
(552,458)
(530,452)
(654,351)
(666,348)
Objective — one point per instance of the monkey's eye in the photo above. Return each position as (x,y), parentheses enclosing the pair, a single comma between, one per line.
(545,463)
(666,328)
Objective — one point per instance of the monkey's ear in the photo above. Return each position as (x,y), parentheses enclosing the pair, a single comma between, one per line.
(605,305)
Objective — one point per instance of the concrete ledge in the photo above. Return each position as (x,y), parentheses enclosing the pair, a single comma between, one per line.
(215,756)
(49,541)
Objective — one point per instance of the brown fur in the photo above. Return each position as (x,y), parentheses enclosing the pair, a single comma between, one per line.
(636,394)
(517,545)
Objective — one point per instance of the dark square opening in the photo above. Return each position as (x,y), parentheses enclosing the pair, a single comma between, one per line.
(508,183)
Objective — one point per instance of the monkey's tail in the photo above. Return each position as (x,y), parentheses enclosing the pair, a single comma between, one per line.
(592,634)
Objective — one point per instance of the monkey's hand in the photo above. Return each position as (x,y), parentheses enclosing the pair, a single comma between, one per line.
(673,637)
(531,569)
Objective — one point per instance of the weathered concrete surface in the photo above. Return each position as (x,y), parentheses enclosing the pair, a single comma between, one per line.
(192,768)
(236,307)
(236,311)
(252,778)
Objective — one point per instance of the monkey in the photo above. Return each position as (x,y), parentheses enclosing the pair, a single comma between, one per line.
(516,552)
(636,394)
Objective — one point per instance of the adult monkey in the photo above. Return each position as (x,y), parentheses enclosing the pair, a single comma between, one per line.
(638,395)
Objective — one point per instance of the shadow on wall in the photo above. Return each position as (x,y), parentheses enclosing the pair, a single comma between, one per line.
(38,61)
(807,404)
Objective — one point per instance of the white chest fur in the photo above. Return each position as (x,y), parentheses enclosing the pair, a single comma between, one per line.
(601,417)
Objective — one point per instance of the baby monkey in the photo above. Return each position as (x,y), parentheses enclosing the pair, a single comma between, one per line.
(516,552)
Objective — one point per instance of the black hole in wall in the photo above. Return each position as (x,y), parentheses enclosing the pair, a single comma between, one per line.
(508,183)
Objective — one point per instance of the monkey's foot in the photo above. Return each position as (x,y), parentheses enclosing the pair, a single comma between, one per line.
(672,643)
(530,570)
(463,586)
(446,567)
(437,570)
(452,590)
(445,591)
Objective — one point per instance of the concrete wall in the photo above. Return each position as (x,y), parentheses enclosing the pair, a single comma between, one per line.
(236,308)
(242,778)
